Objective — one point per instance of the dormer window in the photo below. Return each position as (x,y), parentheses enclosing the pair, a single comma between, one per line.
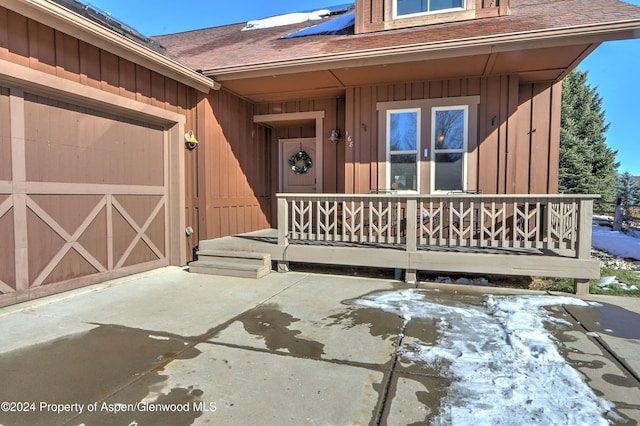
(381,15)
(408,8)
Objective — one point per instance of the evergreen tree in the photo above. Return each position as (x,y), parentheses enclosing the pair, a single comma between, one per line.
(587,164)
(628,190)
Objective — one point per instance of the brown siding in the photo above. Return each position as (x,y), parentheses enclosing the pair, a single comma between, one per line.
(539,137)
(26,42)
(232,157)
(509,157)
(100,206)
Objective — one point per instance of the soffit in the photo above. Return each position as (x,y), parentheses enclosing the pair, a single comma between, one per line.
(531,65)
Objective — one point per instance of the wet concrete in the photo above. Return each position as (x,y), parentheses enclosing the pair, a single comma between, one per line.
(83,369)
(269,322)
(608,319)
(179,349)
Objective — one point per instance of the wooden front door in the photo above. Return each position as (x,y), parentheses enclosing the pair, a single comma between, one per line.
(305,177)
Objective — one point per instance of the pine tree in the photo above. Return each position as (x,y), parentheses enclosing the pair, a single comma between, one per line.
(587,164)
(628,190)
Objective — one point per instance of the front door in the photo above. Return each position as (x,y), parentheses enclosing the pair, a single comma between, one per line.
(299,170)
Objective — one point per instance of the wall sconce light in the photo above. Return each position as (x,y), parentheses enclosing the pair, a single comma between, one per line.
(190,140)
(335,136)
(440,138)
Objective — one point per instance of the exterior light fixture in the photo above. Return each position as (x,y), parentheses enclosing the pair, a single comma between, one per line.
(190,140)
(335,136)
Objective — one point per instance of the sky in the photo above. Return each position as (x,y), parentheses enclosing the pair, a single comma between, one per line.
(613,68)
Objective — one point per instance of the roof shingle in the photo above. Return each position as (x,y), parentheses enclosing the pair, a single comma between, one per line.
(224,47)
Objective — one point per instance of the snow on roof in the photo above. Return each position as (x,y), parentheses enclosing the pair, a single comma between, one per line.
(334,26)
(288,19)
(504,365)
(297,17)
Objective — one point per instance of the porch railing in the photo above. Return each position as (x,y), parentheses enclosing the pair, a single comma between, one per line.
(561,223)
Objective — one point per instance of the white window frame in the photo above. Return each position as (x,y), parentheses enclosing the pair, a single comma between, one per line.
(463,150)
(410,15)
(416,152)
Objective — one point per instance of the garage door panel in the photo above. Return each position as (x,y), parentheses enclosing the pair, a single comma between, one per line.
(72,144)
(139,207)
(71,265)
(156,232)
(91,200)
(142,253)
(7,252)
(68,211)
(43,242)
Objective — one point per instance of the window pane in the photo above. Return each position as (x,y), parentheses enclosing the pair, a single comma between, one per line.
(444,4)
(404,172)
(450,129)
(407,7)
(448,172)
(403,131)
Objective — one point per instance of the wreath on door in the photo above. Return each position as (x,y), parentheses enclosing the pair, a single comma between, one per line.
(295,159)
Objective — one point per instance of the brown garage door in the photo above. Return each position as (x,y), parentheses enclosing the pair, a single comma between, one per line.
(83,196)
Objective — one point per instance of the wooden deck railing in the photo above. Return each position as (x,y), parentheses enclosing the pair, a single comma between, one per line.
(561,223)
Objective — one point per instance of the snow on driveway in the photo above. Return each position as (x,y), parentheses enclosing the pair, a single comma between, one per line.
(504,365)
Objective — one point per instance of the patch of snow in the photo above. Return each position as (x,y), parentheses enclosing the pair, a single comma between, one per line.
(605,282)
(616,242)
(286,19)
(504,365)
(333,26)
(152,336)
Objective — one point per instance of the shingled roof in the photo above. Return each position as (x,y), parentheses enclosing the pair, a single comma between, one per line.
(218,50)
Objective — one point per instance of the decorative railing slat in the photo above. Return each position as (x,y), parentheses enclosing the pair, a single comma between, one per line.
(495,221)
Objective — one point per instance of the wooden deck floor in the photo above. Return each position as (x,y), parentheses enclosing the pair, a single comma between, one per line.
(472,260)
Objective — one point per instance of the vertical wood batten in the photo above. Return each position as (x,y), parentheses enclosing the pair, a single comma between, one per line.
(19,177)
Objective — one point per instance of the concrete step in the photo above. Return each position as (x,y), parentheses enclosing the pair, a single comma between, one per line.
(239,257)
(232,263)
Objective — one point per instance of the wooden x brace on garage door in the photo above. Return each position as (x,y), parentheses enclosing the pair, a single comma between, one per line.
(140,231)
(71,241)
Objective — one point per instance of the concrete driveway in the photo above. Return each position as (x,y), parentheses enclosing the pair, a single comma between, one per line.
(173,348)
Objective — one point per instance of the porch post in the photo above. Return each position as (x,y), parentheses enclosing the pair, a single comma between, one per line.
(283,225)
(411,235)
(583,244)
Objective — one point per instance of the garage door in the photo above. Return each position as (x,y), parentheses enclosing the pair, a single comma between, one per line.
(83,195)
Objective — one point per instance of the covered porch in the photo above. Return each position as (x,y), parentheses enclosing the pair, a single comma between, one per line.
(531,235)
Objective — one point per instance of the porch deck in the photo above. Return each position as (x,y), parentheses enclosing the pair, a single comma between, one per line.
(541,235)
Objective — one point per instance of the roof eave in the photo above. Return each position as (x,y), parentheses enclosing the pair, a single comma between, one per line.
(64,20)
(571,35)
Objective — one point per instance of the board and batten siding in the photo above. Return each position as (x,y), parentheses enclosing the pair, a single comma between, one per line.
(91,162)
(234,171)
(516,152)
